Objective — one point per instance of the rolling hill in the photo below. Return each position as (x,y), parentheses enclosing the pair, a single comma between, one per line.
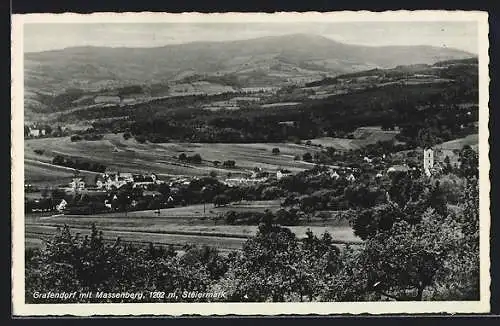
(268,61)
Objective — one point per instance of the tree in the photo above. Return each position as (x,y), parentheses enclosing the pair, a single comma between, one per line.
(276,151)
(307,157)
(271,193)
(45,192)
(58,160)
(267,268)
(213,174)
(75,138)
(57,194)
(229,164)
(183,157)
(221,200)
(469,162)
(399,263)
(196,158)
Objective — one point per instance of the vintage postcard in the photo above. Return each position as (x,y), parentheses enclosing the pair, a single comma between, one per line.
(250,164)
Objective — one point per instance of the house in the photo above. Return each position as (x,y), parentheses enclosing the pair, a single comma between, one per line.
(287,123)
(62,205)
(34,132)
(115,180)
(367,159)
(238,181)
(334,175)
(397,168)
(77,184)
(152,194)
(282,173)
(144,181)
(350,178)
(108,204)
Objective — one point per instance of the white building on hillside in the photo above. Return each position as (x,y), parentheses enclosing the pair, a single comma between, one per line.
(280,174)
(62,205)
(334,175)
(77,184)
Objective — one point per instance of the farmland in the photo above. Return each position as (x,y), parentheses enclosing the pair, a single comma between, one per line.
(128,155)
(471,140)
(362,137)
(46,174)
(179,226)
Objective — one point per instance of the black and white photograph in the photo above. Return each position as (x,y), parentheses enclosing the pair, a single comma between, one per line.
(335,162)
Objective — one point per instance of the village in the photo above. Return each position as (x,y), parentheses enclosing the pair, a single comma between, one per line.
(114,191)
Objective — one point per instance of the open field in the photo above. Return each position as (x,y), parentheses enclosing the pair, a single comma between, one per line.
(196,211)
(179,226)
(140,237)
(46,174)
(180,232)
(363,136)
(471,140)
(128,155)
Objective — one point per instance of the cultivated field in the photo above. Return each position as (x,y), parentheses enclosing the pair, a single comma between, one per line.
(363,136)
(471,140)
(45,174)
(180,226)
(128,155)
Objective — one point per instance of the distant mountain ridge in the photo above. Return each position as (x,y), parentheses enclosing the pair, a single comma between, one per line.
(265,61)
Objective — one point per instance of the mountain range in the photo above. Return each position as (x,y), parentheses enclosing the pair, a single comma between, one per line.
(265,61)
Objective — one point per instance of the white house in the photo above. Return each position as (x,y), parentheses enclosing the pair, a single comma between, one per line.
(280,174)
(108,204)
(350,178)
(334,175)
(34,132)
(77,184)
(397,168)
(62,205)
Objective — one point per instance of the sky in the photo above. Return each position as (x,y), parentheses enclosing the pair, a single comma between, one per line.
(51,36)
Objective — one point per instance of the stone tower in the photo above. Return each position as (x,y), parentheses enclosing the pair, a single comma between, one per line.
(428,160)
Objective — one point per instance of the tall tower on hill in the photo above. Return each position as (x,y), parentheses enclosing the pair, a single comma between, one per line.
(428,160)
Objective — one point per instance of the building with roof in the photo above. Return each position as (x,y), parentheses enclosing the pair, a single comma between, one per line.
(282,173)
(397,168)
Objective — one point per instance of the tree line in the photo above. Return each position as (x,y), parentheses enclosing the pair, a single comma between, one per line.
(420,255)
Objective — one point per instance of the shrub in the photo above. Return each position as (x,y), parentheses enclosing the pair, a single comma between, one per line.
(229,164)
(140,139)
(75,138)
(307,157)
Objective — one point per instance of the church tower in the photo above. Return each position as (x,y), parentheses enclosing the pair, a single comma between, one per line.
(428,160)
